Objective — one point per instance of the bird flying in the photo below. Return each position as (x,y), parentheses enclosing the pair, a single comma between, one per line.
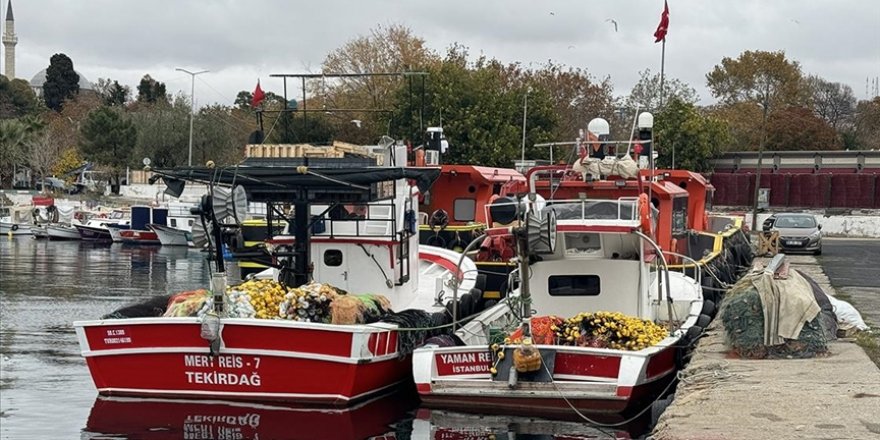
(614,22)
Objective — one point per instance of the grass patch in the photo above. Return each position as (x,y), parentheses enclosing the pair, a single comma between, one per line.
(870,342)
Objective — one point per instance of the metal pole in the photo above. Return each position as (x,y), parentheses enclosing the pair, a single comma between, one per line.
(192,109)
(525,112)
(760,165)
(662,65)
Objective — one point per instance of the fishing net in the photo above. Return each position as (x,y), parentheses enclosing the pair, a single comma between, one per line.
(152,307)
(743,317)
(415,327)
(187,303)
(358,309)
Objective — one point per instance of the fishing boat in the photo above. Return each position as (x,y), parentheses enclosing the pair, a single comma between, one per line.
(596,257)
(138,231)
(685,225)
(177,231)
(15,220)
(98,228)
(62,231)
(169,236)
(291,358)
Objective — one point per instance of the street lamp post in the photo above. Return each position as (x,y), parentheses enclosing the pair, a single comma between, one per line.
(192,109)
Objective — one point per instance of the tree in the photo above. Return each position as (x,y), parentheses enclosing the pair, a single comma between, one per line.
(575,96)
(798,128)
(43,154)
(752,87)
(866,131)
(764,78)
(15,136)
(219,136)
(69,160)
(62,82)
(17,99)
(480,107)
(151,91)
(833,102)
(646,93)
(692,137)
(163,133)
(392,49)
(111,92)
(109,139)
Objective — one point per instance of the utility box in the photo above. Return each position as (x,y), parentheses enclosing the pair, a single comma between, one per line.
(763,198)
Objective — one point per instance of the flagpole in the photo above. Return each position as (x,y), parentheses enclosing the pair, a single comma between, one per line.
(662,66)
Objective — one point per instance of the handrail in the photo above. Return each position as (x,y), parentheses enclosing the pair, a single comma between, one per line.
(699,273)
(665,268)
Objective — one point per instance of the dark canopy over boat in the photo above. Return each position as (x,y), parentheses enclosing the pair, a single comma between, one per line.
(302,183)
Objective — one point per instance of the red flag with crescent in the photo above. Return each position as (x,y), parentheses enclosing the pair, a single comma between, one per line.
(259,95)
(660,33)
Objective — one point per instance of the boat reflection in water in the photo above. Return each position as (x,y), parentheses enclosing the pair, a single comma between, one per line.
(139,418)
(438,424)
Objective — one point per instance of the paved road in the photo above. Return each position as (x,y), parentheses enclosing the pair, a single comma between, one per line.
(851,265)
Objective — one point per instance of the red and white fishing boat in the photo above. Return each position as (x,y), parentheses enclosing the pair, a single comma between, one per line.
(602,256)
(284,360)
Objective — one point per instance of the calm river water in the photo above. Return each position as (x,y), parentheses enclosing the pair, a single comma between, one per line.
(46,391)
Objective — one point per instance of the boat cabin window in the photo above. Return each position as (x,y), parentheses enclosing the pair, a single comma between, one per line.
(582,243)
(333,258)
(190,222)
(574,285)
(174,223)
(464,210)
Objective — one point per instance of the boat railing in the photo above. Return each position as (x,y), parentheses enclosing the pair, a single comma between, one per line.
(368,220)
(623,208)
(687,262)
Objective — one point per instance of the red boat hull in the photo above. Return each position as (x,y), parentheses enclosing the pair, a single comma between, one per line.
(259,360)
(139,237)
(593,381)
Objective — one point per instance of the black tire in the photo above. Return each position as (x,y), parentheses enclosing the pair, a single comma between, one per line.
(14,227)
(818,252)
(480,282)
(708,308)
(466,306)
(490,303)
(703,321)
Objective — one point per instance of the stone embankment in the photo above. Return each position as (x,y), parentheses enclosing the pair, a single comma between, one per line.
(721,396)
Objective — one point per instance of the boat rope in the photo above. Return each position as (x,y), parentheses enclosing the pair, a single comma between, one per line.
(388,282)
(596,422)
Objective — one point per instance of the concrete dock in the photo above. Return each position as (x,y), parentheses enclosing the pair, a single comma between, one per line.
(721,396)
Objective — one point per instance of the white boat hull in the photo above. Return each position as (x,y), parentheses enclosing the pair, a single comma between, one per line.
(62,232)
(169,236)
(14,229)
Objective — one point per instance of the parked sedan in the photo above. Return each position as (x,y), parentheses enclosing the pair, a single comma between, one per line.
(797,232)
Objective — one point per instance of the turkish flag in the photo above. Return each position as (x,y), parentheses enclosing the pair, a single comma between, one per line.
(259,96)
(660,33)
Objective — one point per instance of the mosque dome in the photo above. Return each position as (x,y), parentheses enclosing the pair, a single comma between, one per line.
(40,78)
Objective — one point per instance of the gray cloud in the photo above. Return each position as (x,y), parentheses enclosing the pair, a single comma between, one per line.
(240,42)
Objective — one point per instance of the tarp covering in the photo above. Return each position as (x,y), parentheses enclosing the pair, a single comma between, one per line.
(266,183)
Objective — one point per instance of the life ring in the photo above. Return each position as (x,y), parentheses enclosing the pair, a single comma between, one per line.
(14,227)
(103,216)
(645,215)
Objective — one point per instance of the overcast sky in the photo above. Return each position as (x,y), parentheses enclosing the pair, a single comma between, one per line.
(241,41)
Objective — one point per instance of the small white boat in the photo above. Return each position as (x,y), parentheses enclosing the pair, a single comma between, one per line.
(169,236)
(62,231)
(15,220)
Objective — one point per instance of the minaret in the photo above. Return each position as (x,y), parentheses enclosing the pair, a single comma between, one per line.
(9,41)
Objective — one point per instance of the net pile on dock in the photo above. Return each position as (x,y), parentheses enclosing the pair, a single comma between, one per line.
(742,314)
